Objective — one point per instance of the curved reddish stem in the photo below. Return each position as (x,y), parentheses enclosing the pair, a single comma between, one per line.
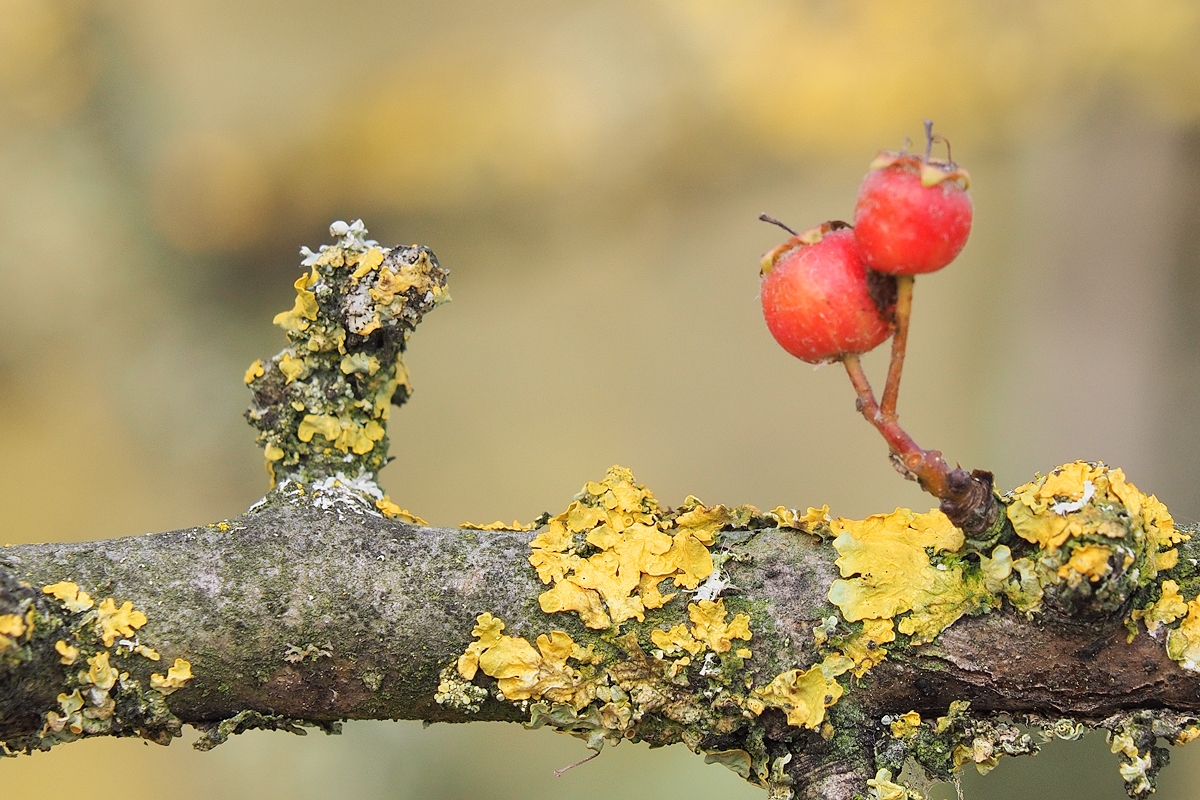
(966,497)
(891,389)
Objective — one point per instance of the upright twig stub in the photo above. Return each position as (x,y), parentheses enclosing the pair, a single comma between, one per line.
(321,404)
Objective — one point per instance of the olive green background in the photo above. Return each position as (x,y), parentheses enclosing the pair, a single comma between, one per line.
(590,173)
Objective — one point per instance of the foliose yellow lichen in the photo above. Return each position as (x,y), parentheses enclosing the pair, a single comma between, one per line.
(1091,523)
(12,628)
(905,725)
(321,405)
(883,788)
(607,555)
(176,678)
(526,673)
(905,566)
(106,660)
(803,695)
(70,595)
(616,557)
(1183,642)
(115,622)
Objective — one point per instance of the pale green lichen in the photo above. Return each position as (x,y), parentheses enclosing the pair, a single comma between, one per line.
(217,733)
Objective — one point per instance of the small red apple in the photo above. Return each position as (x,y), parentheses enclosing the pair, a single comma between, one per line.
(913,215)
(818,299)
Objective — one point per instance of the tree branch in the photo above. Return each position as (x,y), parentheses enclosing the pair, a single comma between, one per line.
(816,657)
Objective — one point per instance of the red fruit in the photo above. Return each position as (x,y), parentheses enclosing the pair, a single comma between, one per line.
(912,216)
(818,299)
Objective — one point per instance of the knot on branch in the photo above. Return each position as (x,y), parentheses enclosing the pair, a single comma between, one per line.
(321,404)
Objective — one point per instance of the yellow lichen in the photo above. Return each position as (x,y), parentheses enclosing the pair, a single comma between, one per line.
(905,725)
(100,673)
(312,424)
(389,285)
(1167,559)
(981,752)
(344,433)
(255,370)
(1080,498)
(12,626)
(70,595)
(803,695)
(393,511)
(498,525)
(114,622)
(1089,561)
(147,652)
(566,595)
(865,648)
(676,639)
(305,308)
(1183,643)
(1169,607)
(368,261)
(359,363)
(882,788)
(1134,768)
(709,626)
(997,569)
(887,572)
(68,654)
(523,672)
(292,367)
(637,548)
(1188,735)
(176,678)
(70,719)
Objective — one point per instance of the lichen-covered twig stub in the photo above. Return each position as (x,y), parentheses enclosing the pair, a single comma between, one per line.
(321,405)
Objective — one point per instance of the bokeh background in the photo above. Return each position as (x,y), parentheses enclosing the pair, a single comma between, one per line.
(590,172)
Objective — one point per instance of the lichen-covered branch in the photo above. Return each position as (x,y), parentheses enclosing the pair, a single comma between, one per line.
(817,657)
(314,608)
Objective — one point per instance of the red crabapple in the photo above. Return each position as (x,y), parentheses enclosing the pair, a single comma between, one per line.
(819,301)
(913,214)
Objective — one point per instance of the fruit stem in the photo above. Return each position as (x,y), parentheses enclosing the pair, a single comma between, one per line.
(926,467)
(928,139)
(966,498)
(891,389)
(773,221)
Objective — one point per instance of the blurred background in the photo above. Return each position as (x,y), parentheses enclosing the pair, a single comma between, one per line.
(591,173)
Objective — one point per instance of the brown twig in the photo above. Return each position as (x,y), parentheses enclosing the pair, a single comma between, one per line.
(967,498)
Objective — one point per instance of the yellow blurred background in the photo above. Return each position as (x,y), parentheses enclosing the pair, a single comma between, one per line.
(590,172)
